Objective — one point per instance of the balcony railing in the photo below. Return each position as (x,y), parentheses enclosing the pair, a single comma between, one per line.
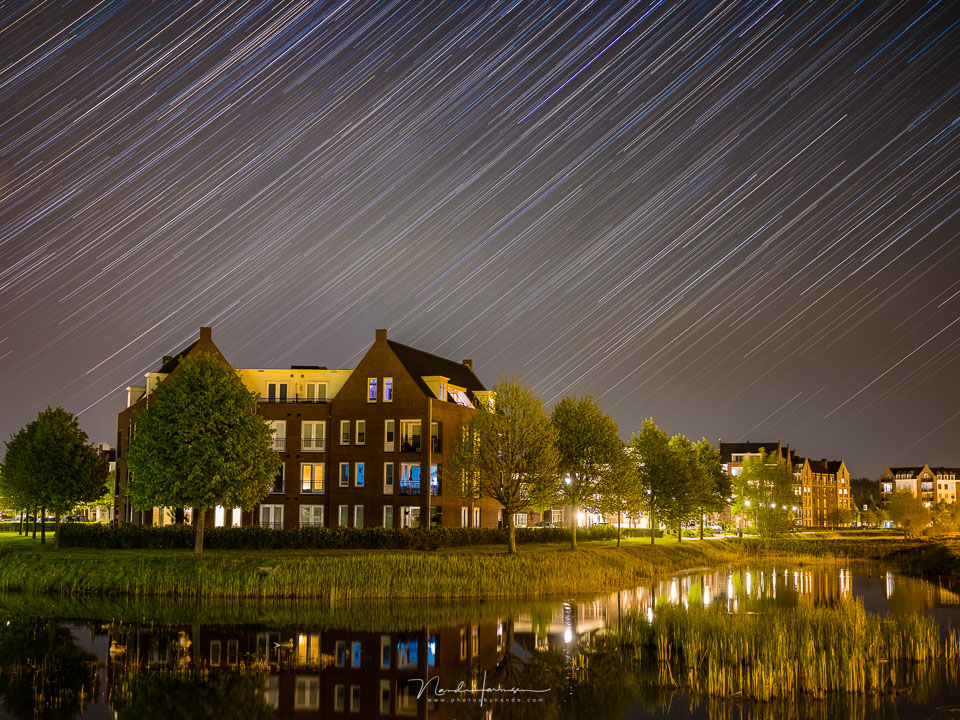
(409,488)
(279,444)
(409,446)
(435,444)
(278,525)
(294,399)
(435,487)
(313,444)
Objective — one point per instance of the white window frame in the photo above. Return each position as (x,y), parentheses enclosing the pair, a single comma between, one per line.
(520,519)
(283,481)
(388,512)
(313,441)
(307,692)
(344,437)
(389,435)
(279,440)
(359,474)
(476,517)
(269,513)
(343,515)
(315,386)
(276,396)
(360,437)
(464,516)
(411,423)
(312,489)
(341,480)
(358,518)
(313,520)
(389,478)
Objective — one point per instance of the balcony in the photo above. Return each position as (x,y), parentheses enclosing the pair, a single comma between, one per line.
(279,444)
(313,444)
(410,445)
(434,487)
(409,488)
(435,444)
(292,399)
(278,525)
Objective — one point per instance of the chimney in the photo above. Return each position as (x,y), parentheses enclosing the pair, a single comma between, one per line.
(381,335)
(469,363)
(206,334)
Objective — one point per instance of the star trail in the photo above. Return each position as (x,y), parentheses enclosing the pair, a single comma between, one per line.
(740,219)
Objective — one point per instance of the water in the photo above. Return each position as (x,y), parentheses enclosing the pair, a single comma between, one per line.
(438,660)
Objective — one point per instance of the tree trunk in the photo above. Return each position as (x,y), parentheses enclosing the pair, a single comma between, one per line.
(701,523)
(22,526)
(573,525)
(619,514)
(43,526)
(652,518)
(35,513)
(679,530)
(56,531)
(200,514)
(511,534)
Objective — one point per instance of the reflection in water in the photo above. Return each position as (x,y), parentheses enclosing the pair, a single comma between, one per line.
(397,660)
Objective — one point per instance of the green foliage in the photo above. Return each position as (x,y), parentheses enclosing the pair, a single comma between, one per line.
(945,516)
(908,512)
(657,480)
(50,465)
(765,492)
(591,455)
(200,443)
(508,453)
(197,695)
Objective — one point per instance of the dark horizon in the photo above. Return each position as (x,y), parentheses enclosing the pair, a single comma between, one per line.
(740,220)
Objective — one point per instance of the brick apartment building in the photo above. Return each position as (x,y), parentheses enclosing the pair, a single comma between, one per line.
(929,484)
(360,448)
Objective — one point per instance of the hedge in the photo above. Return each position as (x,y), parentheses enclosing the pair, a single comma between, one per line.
(181,537)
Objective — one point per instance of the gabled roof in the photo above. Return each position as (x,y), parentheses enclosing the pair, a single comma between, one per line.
(419,364)
(825,467)
(169,366)
(728,450)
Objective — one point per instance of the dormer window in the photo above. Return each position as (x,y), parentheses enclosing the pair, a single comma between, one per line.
(442,394)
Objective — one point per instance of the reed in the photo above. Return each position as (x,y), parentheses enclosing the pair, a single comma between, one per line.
(811,651)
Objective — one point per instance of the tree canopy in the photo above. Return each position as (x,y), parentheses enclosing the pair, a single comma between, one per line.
(656,472)
(49,464)
(589,451)
(764,490)
(508,453)
(200,443)
(908,512)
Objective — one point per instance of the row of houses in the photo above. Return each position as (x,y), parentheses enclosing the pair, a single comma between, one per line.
(821,487)
(930,484)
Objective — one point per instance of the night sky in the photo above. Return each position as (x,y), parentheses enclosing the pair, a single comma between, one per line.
(740,219)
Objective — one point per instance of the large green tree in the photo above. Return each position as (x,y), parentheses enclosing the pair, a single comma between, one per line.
(589,450)
(655,467)
(200,443)
(685,481)
(713,488)
(50,464)
(619,490)
(765,491)
(508,453)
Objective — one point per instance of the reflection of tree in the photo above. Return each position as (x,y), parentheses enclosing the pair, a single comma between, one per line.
(43,672)
(911,596)
(228,695)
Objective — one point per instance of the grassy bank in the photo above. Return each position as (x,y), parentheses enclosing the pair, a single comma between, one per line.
(545,570)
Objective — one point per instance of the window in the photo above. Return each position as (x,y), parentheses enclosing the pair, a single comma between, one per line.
(558,516)
(436,435)
(233,652)
(410,516)
(218,516)
(358,516)
(358,477)
(388,389)
(434,479)
(344,474)
(314,436)
(339,698)
(361,432)
(384,697)
(215,652)
(388,478)
(307,694)
(278,482)
(276,392)
(409,479)
(340,653)
(385,652)
(410,436)
(521,520)
(308,649)
(311,477)
(316,392)
(344,432)
(476,517)
(344,515)
(460,398)
(355,654)
(443,391)
(271,516)
(464,517)
(371,389)
(311,516)
(354,698)
(388,516)
(279,428)
(388,436)
(271,691)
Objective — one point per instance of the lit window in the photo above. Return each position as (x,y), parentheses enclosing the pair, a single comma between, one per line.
(443,391)
(358,477)
(521,520)
(371,389)
(344,474)
(388,389)
(311,477)
(388,478)
(410,436)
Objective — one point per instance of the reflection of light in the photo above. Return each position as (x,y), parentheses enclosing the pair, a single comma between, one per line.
(889,585)
(747,503)
(749,582)
(649,616)
(567,635)
(673,592)
(706,594)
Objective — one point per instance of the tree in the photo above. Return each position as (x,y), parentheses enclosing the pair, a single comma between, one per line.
(945,516)
(619,490)
(200,443)
(765,490)
(840,517)
(906,510)
(714,488)
(508,453)
(650,451)
(686,478)
(50,464)
(589,449)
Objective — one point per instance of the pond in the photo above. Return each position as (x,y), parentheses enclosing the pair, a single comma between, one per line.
(598,657)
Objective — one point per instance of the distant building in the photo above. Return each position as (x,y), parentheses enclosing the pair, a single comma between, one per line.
(929,484)
(360,448)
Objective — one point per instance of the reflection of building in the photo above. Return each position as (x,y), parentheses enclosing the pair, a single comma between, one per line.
(360,448)
(929,484)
